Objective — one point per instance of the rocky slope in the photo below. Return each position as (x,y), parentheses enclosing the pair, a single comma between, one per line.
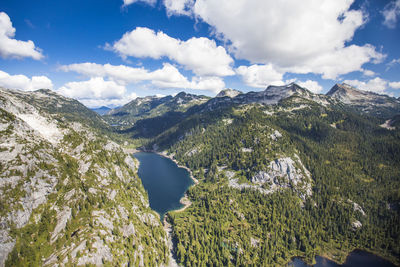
(69,195)
(364,101)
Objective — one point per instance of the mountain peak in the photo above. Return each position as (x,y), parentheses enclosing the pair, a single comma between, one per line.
(365,101)
(228,92)
(347,93)
(342,88)
(181,94)
(291,87)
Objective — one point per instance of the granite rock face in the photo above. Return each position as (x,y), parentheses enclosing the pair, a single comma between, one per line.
(286,173)
(62,179)
(282,173)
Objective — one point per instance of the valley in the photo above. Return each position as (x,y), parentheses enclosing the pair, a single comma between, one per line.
(281,173)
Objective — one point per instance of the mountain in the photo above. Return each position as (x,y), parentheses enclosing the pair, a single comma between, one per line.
(364,101)
(68,194)
(150,107)
(272,95)
(101,110)
(229,93)
(282,173)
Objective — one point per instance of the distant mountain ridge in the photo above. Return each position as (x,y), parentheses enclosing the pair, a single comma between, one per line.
(152,106)
(184,104)
(103,110)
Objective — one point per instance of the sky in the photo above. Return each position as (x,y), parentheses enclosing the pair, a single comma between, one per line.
(109,52)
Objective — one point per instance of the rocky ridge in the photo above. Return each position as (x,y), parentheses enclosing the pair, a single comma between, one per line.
(69,195)
(364,101)
(282,173)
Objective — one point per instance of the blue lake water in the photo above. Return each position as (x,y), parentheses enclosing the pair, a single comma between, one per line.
(163,180)
(356,258)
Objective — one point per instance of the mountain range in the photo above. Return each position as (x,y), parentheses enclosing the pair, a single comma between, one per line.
(282,173)
(149,107)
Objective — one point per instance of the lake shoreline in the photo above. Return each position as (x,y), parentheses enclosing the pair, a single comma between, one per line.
(168,228)
(341,262)
(164,154)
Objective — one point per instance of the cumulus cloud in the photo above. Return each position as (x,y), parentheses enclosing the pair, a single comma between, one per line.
(149,2)
(376,85)
(170,77)
(260,76)
(313,86)
(22,82)
(166,77)
(95,103)
(97,92)
(12,48)
(369,73)
(391,13)
(200,55)
(295,36)
(179,7)
(94,88)
(121,73)
(394,85)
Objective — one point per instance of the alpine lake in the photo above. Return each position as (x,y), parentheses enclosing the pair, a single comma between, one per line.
(164,181)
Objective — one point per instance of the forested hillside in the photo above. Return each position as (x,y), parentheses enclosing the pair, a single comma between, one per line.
(149,107)
(256,163)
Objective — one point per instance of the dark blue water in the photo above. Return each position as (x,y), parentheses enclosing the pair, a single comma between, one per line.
(163,180)
(357,258)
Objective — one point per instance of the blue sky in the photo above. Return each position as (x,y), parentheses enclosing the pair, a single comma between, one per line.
(109,52)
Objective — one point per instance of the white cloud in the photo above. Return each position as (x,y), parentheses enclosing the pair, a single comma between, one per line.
(376,85)
(96,88)
(179,7)
(170,77)
(392,63)
(121,73)
(200,55)
(116,102)
(260,76)
(295,36)
(391,12)
(369,73)
(394,85)
(313,86)
(97,92)
(166,77)
(22,82)
(12,48)
(149,2)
